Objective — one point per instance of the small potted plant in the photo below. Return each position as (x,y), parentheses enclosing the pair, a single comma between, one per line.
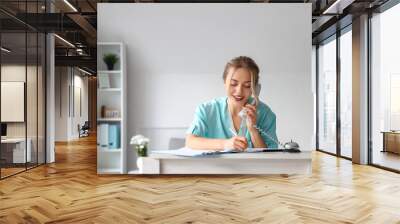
(140,144)
(110,60)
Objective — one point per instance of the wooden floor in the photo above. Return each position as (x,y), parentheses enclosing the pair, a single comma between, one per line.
(5,172)
(70,191)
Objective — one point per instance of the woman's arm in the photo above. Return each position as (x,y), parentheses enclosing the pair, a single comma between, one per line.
(196,142)
(256,139)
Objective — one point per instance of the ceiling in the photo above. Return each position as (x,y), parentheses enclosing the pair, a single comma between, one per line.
(76,22)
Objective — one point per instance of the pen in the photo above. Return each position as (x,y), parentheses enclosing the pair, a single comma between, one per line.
(234,133)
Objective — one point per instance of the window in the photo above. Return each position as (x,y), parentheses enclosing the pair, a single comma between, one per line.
(346,93)
(385,88)
(395,101)
(327,96)
(22,75)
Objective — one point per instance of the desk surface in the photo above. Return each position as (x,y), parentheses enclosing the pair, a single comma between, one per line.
(390,132)
(250,163)
(305,155)
(13,140)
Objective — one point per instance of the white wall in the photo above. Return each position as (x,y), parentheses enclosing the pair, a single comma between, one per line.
(66,121)
(80,83)
(176,54)
(61,104)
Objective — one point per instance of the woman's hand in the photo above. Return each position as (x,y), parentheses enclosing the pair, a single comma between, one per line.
(251,116)
(236,142)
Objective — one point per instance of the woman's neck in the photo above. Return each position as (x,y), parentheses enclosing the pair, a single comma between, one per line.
(234,109)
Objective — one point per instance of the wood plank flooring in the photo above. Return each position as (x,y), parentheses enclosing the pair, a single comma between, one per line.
(10,171)
(70,191)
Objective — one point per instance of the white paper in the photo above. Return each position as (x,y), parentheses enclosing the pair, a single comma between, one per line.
(198,152)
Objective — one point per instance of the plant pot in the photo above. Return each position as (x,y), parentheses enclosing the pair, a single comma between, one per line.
(139,163)
(110,66)
(147,165)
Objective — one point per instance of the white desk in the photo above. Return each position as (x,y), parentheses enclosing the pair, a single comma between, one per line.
(19,149)
(235,163)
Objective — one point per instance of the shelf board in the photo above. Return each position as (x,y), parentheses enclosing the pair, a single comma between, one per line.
(119,44)
(109,171)
(102,149)
(109,72)
(109,89)
(109,119)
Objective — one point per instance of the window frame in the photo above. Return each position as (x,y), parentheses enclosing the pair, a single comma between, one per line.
(336,36)
(381,9)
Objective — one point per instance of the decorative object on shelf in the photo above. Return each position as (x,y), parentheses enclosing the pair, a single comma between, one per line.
(103,111)
(110,60)
(111,113)
(104,81)
(140,143)
(106,112)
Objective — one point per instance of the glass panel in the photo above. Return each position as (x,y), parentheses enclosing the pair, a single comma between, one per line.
(41,98)
(23,87)
(31,86)
(386,89)
(346,93)
(13,87)
(327,96)
(31,99)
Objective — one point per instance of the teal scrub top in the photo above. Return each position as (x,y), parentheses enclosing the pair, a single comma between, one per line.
(212,120)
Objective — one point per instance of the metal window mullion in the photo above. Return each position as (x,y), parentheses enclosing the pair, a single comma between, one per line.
(37,92)
(26,86)
(45,93)
(369,89)
(338,98)
(317,96)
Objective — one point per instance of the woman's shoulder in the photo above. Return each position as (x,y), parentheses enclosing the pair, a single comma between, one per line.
(213,104)
(265,109)
(218,101)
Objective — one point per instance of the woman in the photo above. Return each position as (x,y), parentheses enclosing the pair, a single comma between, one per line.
(216,125)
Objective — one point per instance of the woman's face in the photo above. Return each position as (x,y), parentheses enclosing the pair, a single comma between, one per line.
(238,86)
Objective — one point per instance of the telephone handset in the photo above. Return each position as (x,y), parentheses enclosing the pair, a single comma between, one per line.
(287,147)
(242,114)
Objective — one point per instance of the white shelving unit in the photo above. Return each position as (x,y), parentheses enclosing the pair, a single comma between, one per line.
(109,71)
(109,119)
(111,111)
(110,89)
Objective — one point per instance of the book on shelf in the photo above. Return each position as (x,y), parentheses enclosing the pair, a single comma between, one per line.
(102,138)
(114,136)
(109,136)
